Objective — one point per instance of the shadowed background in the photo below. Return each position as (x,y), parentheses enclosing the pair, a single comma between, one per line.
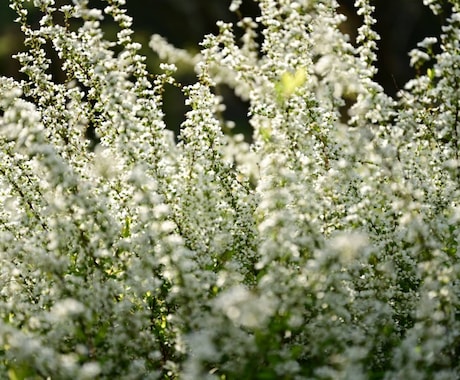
(401,24)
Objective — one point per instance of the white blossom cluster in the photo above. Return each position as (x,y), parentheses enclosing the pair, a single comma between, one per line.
(327,248)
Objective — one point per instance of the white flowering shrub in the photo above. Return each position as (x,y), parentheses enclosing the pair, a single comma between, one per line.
(327,248)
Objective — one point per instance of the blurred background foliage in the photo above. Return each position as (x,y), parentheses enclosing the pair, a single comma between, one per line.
(401,24)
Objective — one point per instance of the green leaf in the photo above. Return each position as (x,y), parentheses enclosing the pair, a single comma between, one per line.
(21,372)
(289,82)
(126,230)
(430,73)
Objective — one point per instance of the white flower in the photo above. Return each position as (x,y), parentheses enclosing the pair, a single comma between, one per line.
(67,308)
(244,308)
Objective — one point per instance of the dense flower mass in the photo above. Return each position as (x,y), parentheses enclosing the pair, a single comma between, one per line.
(326,248)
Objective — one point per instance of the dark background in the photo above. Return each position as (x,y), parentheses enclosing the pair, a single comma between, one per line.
(401,24)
